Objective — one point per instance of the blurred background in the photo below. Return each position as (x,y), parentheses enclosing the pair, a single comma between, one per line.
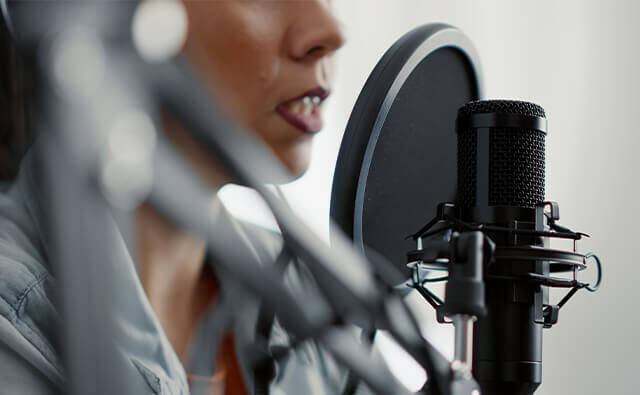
(576,58)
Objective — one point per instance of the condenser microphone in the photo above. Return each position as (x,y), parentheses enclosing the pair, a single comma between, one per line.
(501,185)
(397,163)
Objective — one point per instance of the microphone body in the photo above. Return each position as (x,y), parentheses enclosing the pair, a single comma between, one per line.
(501,183)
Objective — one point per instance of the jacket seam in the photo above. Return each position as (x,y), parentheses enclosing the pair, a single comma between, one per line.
(30,334)
(23,295)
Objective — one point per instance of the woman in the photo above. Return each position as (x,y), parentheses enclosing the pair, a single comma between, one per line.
(270,63)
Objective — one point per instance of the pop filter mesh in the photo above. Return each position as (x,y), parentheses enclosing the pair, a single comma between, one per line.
(516,157)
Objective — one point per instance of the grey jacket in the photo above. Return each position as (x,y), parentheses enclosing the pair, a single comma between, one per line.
(29,363)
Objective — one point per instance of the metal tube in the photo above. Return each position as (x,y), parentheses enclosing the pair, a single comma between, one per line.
(463,325)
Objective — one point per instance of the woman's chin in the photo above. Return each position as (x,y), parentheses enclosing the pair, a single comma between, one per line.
(296,160)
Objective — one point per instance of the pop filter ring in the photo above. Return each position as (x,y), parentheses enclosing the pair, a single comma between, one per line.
(370,113)
(443,36)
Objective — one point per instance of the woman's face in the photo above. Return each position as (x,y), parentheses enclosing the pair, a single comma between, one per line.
(269,62)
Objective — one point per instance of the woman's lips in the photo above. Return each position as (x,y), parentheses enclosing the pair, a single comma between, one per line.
(303,111)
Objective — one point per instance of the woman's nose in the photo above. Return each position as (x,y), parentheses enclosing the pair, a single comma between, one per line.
(315,32)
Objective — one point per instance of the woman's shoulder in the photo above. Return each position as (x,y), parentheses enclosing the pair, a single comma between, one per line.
(27,313)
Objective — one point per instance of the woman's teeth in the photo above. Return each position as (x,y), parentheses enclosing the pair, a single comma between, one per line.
(305,106)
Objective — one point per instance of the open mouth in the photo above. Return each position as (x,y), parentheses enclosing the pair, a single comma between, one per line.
(303,111)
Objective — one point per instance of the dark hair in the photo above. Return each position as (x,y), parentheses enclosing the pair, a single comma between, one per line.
(15,133)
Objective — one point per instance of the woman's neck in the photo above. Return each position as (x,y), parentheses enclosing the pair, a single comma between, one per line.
(171,267)
(170,260)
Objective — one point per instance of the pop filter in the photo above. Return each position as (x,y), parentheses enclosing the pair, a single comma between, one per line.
(397,160)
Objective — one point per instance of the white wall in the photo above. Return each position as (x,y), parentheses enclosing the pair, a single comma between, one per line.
(578,59)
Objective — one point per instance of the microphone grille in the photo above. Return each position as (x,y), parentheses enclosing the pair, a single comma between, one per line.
(467,168)
(502,107)
(516,168)
(516,162)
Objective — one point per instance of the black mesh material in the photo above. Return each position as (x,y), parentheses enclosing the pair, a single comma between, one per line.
(516,167)
(502,107)
(516,158)
(467,167)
